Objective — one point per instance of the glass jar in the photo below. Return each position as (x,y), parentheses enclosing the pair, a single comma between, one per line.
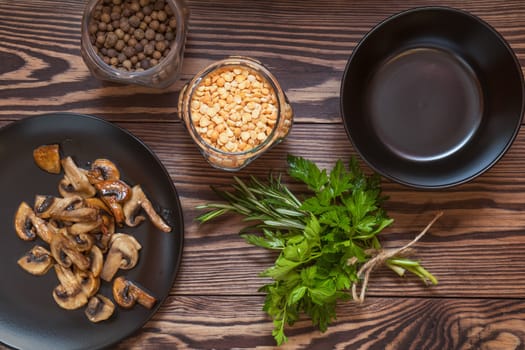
(162,72)
(235,110)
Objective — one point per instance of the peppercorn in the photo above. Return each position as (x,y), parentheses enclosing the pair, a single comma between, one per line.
(134,21)
(159,5)
(135,6)
(126,64)
(154,24)
(160,46)
(105,18)
(149,34)
(144,64)
(161,16)
(149,49)
(111,40)
(128,51)
(157,55)
(138,34)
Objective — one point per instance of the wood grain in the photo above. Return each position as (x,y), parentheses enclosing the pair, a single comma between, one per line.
(381,323)
(476,249)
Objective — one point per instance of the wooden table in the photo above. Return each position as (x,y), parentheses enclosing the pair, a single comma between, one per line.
(476,250)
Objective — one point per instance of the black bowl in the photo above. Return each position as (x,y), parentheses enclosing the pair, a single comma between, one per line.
(432,97)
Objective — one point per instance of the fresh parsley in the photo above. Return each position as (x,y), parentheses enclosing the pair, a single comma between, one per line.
(322,239)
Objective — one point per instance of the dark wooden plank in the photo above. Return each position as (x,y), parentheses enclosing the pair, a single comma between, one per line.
(380,323)
(306,45)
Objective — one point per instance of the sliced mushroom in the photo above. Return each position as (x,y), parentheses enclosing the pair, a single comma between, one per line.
(83,228)
(89,283)
(102,170)
(82,242)
(42,205)
(127,293)
(97,261)
(47,158)
(68,294)
(68,300)
(75,181)
(123,254)
(99,308)
(64,251)
(97,203)
(114,193)
(70,209)
(37,261)
(23,224)
(28,225)
(139,200)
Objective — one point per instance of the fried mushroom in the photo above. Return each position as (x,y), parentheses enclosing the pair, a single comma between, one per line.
(102,170)
(137,201)
(75,181)
(123,254)
(37,261)
(47,158)
(97,261)
(89,283)
(114,193)
(28,226)
(127,293)
(64,251)
(68,294)
(99,308)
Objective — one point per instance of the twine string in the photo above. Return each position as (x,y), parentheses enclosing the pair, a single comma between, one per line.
(382,256)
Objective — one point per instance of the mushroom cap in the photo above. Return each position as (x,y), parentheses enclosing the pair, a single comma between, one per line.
(99,308)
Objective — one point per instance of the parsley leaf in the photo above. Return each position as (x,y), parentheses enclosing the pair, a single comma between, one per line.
(321,240)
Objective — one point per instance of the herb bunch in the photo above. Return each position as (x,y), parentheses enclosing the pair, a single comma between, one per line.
(321,240)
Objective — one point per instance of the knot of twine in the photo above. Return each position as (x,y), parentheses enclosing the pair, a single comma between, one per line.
(381,257)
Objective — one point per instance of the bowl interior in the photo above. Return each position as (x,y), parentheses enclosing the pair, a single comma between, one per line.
(432,97)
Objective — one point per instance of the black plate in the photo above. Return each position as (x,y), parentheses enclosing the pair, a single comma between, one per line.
(432,97)
(29,317)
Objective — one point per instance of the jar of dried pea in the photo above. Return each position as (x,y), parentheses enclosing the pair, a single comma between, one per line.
(235,110)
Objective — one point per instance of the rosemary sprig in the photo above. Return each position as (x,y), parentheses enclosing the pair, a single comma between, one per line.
(323,240)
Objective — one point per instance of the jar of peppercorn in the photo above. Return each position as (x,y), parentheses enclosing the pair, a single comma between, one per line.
(135,41)
(235,110)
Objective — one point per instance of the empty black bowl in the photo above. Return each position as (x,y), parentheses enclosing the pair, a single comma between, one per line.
(432,97)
